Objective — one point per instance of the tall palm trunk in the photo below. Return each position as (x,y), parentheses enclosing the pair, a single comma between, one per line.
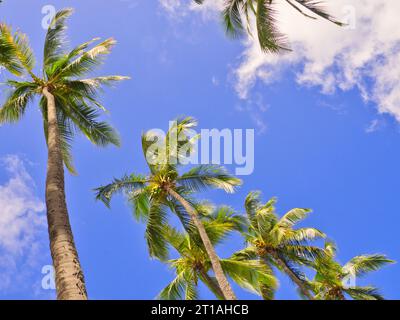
(216,264)
(70,283)
(300,283)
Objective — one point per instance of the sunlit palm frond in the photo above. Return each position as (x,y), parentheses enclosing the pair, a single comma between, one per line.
(249,274)
(85,118)
(362,265)
(175,290)
(303,234)
(15,105)
(16,53)
(209,176)
(156,220)
(292,217)
(8,57)
(252,203)
(55,41)
(126,185)
(87,61)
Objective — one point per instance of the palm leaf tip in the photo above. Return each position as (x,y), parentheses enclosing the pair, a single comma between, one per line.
(102,194)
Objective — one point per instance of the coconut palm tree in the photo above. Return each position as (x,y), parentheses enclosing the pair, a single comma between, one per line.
(336,282)
(165,188)
(193,264)
(68,103)
(263,12)
(277,243)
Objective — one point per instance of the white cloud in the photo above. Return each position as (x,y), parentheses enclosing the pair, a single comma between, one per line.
(22,223)
(364,55)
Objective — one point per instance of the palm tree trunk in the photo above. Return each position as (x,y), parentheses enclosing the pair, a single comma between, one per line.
(70,283)
(211,284)
(303,288)
(216,264)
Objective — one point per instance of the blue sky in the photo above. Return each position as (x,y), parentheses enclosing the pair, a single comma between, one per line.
(330,152)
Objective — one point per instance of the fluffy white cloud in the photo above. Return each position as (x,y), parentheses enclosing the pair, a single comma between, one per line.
(21,223)
(365,55)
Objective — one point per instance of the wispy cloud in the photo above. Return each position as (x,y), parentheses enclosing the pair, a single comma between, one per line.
(22,225)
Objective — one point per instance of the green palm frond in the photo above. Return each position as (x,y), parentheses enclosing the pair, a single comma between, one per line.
(362,265)
(87,61)
(303,234)
(209,176)
(252,203)
(125,185)
(15,105)
(232,16)
(85,118)
(156,220)
(140,199)
(292,217)
(181,213)
(16,52)
(249,274)
(8,57)
(220,224)
(175,290)
(364,293)
(180,140)
(270,39)
(55,41)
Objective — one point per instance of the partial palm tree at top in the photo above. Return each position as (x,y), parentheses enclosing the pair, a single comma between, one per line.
(193,264)
(277,243)
(238,17)
(166,188)
(336,282)
(69,104)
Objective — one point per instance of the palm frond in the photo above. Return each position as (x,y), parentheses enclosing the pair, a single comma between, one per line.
(315,7)
(55,41)
(209,176)
(66,131)
(232,17)
(252,203)
(270,39)
(292,217)
(87,61)
(364,293)
(85,118)
(249,274)
(156,220)
(16,54)
(126,185)
(175,290)
(362,265)
(15,105)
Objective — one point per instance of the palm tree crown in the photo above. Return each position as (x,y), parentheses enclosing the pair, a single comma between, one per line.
(193,264)
(166,188)
(75,97)
(148,193)
(336,282)
(277,243)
